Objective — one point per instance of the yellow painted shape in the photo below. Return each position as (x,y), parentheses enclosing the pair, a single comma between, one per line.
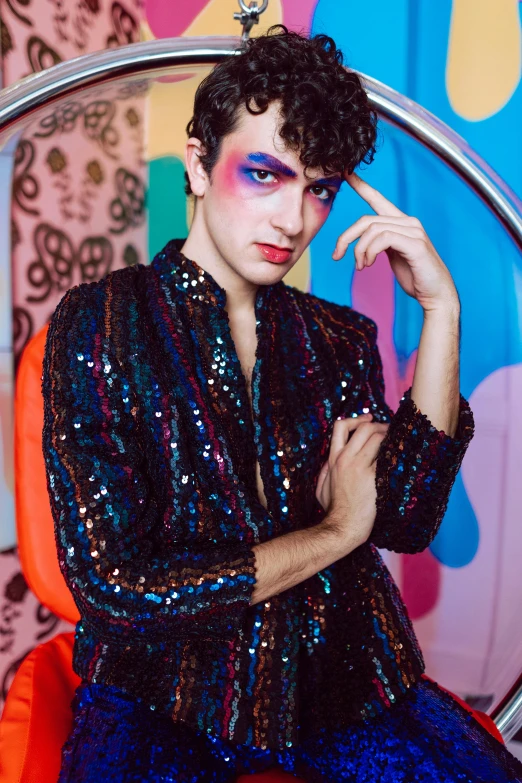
(484,56)
(145,31)
(170,104)
(170,107)
(217,18)
(299,275)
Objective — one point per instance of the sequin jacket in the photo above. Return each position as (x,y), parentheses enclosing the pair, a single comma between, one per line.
(150,448)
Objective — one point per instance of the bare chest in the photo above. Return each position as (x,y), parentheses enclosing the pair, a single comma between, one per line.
(245,340)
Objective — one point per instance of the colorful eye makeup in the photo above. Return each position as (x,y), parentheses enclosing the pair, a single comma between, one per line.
(270,165)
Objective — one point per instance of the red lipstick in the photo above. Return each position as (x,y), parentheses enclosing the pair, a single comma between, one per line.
(274,254)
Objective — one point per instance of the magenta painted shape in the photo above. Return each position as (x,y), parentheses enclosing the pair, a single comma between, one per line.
(373,294)
(298,14)
(174,77)
(421,583)
(169,20)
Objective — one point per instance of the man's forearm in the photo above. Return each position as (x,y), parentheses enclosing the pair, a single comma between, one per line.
(285,561)
(436,383)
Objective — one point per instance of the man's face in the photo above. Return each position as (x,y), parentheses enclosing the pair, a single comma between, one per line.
(259,195)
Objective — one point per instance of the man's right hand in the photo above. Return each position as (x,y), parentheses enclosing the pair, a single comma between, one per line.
(347,491)
(346,486)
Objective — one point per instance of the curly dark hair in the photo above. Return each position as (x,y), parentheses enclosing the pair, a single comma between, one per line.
(326,113)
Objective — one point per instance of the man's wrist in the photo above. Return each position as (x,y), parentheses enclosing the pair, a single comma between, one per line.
(343,538)
(446,312)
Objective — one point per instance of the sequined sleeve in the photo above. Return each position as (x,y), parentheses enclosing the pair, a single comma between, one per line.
(417,464)
(104,508)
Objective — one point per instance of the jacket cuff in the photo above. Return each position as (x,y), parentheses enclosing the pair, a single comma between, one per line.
(416,468)
(411,415)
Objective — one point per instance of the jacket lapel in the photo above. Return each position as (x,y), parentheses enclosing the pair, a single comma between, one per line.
(293,386)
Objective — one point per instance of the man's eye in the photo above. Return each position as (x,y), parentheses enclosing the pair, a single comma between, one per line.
(261,172)
(327,193)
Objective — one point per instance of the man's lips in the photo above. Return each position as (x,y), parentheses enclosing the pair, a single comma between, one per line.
(277,247)
(273,253)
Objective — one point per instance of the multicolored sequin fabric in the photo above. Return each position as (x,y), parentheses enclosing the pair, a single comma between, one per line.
(428,737)
(150,446)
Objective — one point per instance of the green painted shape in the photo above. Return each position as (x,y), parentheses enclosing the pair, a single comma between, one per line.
(166,202)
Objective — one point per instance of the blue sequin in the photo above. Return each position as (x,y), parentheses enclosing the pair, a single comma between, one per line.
(428,737)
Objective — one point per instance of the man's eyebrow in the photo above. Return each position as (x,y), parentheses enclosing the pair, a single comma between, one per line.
(334,180)
(264,159)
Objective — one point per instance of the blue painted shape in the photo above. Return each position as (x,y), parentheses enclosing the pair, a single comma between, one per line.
(406,48)
(457,541)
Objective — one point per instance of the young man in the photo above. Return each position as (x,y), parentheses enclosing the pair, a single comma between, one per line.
(222,465)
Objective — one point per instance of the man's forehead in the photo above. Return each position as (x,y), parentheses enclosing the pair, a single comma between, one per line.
(257,138)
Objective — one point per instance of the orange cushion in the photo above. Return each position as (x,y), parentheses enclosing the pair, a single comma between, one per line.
(34,522)
(37,716)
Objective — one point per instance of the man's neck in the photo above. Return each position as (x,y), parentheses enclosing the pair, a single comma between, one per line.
(240,294)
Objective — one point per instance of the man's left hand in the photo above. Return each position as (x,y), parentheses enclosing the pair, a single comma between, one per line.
(415,263)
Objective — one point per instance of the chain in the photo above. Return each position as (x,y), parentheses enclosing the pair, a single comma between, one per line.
(249,15)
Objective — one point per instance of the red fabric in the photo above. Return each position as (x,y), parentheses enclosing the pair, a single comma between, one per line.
(37,714)
(34,523)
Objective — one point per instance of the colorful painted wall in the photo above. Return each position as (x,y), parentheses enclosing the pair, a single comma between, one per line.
(460,60)
(71,208)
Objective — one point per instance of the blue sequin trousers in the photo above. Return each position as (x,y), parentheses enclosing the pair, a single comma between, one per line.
(427,737)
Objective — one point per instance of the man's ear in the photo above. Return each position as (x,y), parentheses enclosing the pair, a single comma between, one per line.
(196,173)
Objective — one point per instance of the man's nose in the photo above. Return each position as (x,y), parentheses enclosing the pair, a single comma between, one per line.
(289,216)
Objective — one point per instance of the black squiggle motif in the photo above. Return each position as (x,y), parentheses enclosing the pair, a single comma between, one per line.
(6,40)
(53,267)
(9,612)
(15,234)
(125,27)
(95,256)
(40,54)
(133,89)
(73,24)
(16,589)
(83,21)
(57,260)
(97,120)
(128,208)
(25,185)
(63,119)
(44,616)
(11,3)
(98,116)
(22,331)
